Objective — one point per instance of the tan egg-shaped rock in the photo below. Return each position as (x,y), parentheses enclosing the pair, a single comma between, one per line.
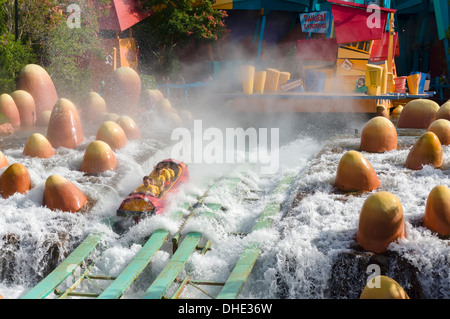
(62,194)
(383,111)
(3,160)
(437,210)
(94,108)
(444,111)
(173,119)
(64,127)
(383,287)
(43,118)
(26,107)
(37,145)
(426,151)
(130,127)
(35,80)
(441,128)
(122,90)
(164,107)
(111,133)
(355,173)
(419,113)
(98,158)
(151,97)
(397,110)
(15,179)
(378,135)
(110,117)
(381,222)
(9,109)
(186,117)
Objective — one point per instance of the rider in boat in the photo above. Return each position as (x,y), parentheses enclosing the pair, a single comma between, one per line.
(171,173)
(148,187)
(158,177)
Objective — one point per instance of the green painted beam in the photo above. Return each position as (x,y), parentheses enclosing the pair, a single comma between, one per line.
(176,264)
(250,254)
(135,268)
(60,273)
(143,257)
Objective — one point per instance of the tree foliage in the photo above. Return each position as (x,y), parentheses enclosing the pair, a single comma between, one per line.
(177,22)
(45,37)
(68,51)
(13,57)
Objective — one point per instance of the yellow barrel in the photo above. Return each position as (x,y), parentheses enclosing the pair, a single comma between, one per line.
(272,78)
(384,79)
(260,81)
(284,77)
(413,83)
(373,78)
(248,78)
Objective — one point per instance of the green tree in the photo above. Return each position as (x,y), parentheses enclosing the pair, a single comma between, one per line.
(45,37)
(13,57)
(68,50)
(176,23)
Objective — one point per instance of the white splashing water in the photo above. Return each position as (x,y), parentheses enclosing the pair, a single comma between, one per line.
(297,253)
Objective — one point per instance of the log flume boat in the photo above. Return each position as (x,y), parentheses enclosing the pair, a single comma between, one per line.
(139,204)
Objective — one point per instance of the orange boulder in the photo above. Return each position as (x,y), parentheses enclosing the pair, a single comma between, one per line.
(111,133)
(94,108)
(38,146)
(381,222)
(43,118)
(441,128)
(383,111)
(173,119)
(36,81)
(98,158)
(355,173)
(9,109)
(444,111)
(150,98)
(378,135)
(3,160)
(122,90)
(426,151)
(383,287)
(64,127)
(26,107)
(419,113)
(110,117)
(61,194)
(130,128)
(164,107)
(15,179)
(437,210)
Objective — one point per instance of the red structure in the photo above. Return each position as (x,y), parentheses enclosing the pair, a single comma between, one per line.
(117,39)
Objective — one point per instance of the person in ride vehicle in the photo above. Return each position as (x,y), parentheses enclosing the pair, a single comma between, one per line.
(148,187)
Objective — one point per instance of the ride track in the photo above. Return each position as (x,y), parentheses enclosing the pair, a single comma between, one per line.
(83,256)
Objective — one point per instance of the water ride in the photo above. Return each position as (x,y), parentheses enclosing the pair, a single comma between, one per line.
(138,204)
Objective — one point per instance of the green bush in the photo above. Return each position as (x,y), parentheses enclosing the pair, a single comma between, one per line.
(13,57)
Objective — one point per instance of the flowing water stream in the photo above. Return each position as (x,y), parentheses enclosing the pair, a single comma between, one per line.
(309,252)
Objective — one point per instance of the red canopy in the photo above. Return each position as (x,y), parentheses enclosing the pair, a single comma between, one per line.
(351,22)
(123,14)
(379,51)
